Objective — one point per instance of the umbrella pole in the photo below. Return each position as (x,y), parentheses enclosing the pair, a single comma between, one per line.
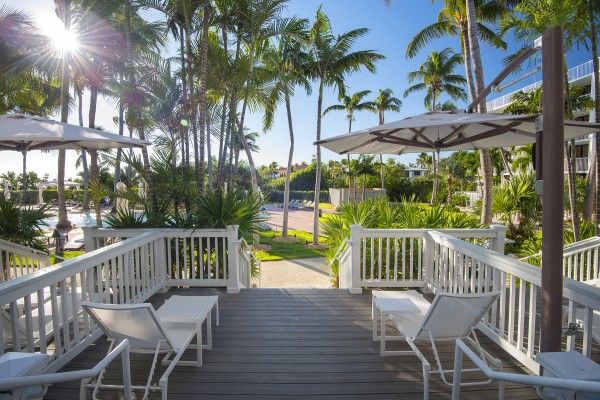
(24,152)
(553,174)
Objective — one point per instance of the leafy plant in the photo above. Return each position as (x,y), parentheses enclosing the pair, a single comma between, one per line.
(23,225)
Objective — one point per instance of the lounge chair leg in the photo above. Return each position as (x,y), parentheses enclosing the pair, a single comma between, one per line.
(208,332)
(199,347)
(382,333)
(217,322)
(425,383)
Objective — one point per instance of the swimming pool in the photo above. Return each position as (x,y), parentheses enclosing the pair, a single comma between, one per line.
(78,219)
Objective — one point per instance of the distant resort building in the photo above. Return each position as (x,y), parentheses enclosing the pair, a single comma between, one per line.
(579,76)
(282,171)
(415,172)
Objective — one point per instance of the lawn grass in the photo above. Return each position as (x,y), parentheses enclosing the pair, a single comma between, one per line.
(67,255)
(287,250)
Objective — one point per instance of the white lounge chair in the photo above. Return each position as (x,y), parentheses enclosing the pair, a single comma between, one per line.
(21,377)
(139,324)
(450,317)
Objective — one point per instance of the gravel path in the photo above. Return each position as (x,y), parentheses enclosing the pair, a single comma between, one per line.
(300,273)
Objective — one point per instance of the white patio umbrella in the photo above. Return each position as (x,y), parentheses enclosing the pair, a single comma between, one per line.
(448,131)
(21,132)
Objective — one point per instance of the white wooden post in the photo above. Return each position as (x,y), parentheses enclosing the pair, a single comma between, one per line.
(163,265)
(428,246)
(233,258)
(500,239)
(355,239)
(88,238)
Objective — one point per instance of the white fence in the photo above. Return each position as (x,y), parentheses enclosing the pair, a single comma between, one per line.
(443,261)
(396,257)
(17,260)
(42,311)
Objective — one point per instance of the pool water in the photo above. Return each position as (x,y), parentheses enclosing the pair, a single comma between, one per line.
(79,219)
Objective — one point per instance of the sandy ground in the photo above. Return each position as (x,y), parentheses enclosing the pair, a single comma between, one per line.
(301,220)
(301,273)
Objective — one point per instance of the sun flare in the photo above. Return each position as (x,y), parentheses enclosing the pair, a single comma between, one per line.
(63,40)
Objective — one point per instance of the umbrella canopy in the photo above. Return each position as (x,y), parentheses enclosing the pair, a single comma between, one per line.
(447,131)
(22,132)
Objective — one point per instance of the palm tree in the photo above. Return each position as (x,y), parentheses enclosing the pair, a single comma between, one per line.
(385,101)
(452,21)
(350,104)
(63,10)
(287,62)
(331,59)
(366,166)
(436,76)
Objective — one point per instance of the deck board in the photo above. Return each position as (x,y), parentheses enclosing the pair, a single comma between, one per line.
(295,344)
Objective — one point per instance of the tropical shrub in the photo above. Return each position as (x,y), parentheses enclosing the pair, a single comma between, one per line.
(22,225)
(381,213)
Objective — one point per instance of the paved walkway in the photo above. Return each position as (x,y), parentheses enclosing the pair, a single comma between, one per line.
(300,273)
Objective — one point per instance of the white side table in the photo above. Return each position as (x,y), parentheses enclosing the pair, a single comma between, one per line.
(568,365)
(387,303)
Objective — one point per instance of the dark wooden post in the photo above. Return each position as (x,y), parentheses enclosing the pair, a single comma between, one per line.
(553,175)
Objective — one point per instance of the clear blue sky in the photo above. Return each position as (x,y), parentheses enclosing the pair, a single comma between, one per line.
(390,30)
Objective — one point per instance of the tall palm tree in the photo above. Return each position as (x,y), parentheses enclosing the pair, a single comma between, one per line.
(452,21)
(436,76)
(63,10)
(350,104)
(287,63)
(385,101)
(332,58)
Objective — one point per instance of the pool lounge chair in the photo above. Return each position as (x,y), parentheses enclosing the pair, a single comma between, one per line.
(139,324)
(450,317)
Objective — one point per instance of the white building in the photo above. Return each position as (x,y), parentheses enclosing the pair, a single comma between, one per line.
(415,172)
(580,75)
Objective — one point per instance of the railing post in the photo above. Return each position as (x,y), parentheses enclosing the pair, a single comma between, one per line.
(500,239)
(428,261)
(233,258)
(160,257)
(88,238)
(355,239)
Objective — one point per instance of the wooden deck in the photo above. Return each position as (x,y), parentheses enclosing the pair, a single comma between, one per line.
(295,344)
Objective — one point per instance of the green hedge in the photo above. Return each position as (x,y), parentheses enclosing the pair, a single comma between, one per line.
(276,196)
(49,196)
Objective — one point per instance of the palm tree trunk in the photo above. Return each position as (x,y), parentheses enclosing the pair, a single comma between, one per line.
(244,141)
(435,178)
(318,169)
(184,91)
(64,10)
(24,153)
(191,106)
(466,52)
(381,167)
(349,177)
(484,154)
(286,189)
(203,89)
(86,173)
(119,150)
(209,163)
(94,172)
(596,83)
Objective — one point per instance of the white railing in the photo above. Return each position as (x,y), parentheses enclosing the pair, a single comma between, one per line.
(513,321)
(195,257)
(396,257)
(574,74)
(580,260)
(17,260)
(42,311)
